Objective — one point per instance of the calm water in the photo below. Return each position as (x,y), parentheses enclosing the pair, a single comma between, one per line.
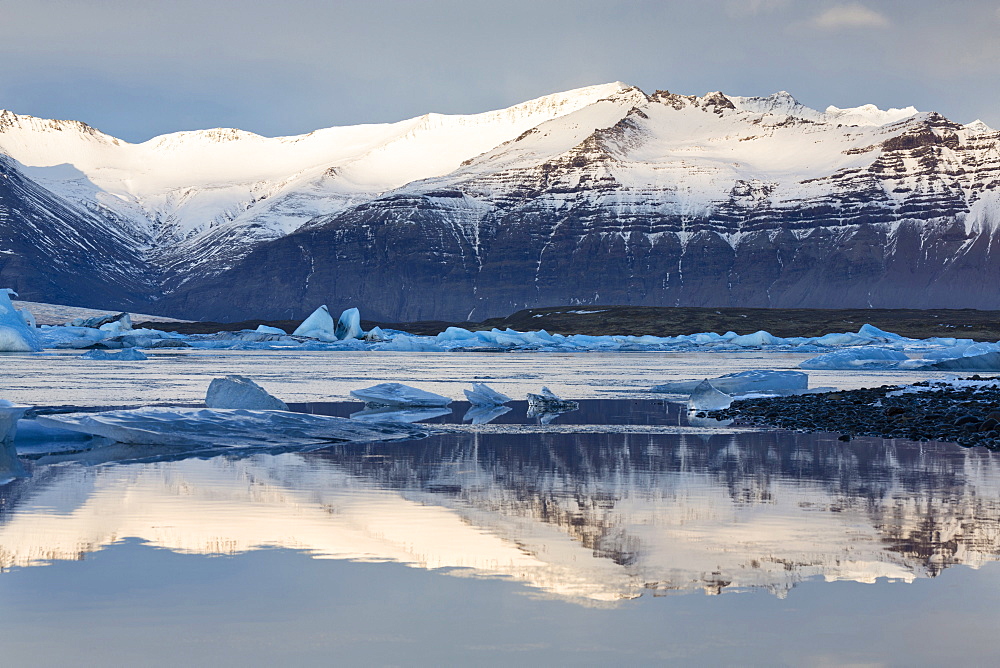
(534,548)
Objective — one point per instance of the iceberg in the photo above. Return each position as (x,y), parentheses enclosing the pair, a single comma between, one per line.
(706,398)
(265,329)
(397,394)
(10,413)
(376,335)
(984,362)
(547,399)
(16,336)
(485,413)
(744,382)
(349,325)
(482,394)
(124,321)
(241,392)
(398,414)
(317,325)
(546,406)
(864,357)
(208,429)
(126,355)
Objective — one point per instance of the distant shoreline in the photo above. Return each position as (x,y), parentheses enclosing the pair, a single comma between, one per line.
(673,321)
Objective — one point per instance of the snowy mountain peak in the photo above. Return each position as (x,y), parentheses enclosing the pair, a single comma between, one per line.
(978,127)
(868,114)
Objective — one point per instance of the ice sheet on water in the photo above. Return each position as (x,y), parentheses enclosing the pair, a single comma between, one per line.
(241,392)
(482,394)
(706,398)
(16,336)
(865,357)
(223,428)
(397,394)
(743,382)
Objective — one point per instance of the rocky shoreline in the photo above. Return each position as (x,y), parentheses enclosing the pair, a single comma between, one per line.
(965,412)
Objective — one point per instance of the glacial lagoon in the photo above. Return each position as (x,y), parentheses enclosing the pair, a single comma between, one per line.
(616,534)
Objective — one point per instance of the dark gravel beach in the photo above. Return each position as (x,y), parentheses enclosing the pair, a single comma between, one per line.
(967,415)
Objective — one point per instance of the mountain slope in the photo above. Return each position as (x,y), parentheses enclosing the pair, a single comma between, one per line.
(603,194)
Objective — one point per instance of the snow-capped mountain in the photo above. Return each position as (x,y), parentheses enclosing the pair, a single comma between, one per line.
(598,195)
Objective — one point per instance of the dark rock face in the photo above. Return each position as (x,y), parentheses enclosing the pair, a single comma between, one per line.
(51,251)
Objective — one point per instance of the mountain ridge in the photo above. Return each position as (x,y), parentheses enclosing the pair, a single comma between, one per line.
(600,194)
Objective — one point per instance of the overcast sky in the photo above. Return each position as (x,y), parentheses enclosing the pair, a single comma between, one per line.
(137,69)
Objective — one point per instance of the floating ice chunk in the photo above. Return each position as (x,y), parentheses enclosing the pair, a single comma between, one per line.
(349,325)
(548,399)
(865,357)
(15,334)
(706,398)
(397,394)
(761,380)
(265,329)
(397,414)
(546,406)
(11,467)
(241,392)
(376,335)
(123,319)
(482,394)
(28,317)
(757,339)
(10,413)
(206,429)
(984,362)
(320,322)
(485,413)
(126,355)
(873,332)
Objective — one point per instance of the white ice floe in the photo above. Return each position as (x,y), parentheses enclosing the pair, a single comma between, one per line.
(482,394)
(16,335)
(397,394)
(241,392)
(865,357)
(126,355)
(223,428)
(767,381)
(265,329)
(706,398)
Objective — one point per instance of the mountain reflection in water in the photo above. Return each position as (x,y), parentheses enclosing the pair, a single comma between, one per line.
(589,518)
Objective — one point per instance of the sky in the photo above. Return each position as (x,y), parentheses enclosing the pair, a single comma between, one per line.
(139,69)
